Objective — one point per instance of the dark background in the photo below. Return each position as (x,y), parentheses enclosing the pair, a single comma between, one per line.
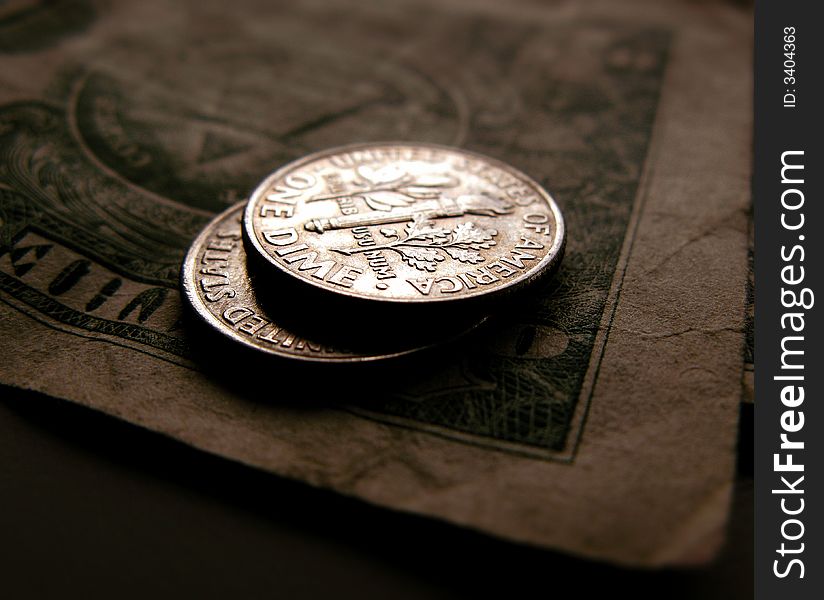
(93,507)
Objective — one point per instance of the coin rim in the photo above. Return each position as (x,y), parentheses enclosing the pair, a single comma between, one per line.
(188,286)
(544,267)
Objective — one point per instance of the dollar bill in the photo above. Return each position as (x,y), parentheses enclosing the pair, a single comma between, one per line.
(600,421)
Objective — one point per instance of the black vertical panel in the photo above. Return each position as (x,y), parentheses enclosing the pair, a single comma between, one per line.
(788,102)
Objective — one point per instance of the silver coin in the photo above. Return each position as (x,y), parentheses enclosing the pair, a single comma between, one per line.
(405,224)
(220,291)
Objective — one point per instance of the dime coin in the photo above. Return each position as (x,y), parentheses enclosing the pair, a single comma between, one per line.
(404,223)
(222,294)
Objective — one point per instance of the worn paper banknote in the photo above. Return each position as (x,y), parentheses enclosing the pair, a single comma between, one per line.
(601,421)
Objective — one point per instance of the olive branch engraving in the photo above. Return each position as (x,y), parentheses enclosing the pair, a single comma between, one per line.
(423,245)
(390,187)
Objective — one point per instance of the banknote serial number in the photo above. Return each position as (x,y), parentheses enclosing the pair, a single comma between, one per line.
(789,67)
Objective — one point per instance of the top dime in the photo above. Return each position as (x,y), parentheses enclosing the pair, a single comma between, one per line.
(405,223)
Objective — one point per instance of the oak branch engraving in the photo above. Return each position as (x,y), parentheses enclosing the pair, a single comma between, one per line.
(423,245)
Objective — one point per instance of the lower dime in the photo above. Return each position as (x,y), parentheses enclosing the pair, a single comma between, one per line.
(219,289)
